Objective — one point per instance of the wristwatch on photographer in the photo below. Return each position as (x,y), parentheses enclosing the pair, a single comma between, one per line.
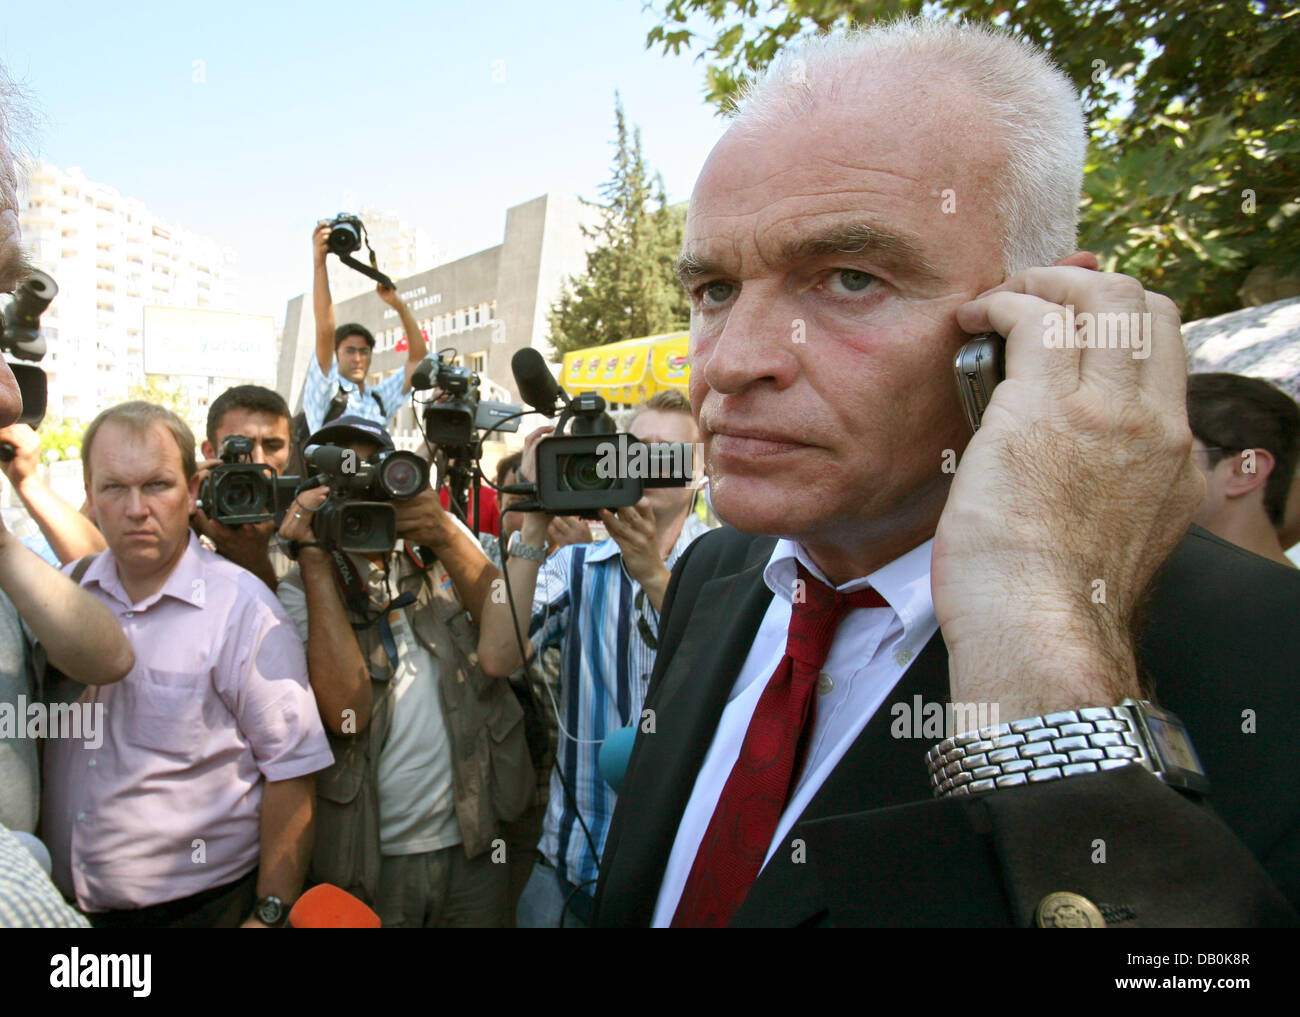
(531,552)
(1067,744)
(271,911)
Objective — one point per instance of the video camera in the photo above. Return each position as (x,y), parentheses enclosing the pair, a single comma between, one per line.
(586,464)
(450,423)
(20,336)
(358,514)
(241,491)
(346,234)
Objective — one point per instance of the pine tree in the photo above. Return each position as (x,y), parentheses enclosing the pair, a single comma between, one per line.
(629,289)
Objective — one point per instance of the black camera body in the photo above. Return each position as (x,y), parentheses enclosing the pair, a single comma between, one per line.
(241,491)
(345,234)
(20,336)
(358,515)
(452,422)
(593,467)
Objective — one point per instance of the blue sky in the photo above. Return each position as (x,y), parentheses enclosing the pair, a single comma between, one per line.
(303,107)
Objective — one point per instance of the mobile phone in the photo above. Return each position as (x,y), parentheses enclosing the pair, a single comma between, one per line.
(979,366)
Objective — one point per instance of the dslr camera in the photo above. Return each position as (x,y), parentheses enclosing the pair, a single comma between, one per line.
(358,515)
(241,491)
(345,234)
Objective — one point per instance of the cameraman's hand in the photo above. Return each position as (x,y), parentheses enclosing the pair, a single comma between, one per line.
(389,296)
(297,521)
(568,530)
(533,530)
(422,521)
(632,527)
(27,452)
(320,242)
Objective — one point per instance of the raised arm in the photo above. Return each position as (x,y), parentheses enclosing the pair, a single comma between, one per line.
(322,304)
(416,348)
(71,535)
(80,635)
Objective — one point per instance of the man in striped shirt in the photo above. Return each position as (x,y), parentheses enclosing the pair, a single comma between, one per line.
(599,604)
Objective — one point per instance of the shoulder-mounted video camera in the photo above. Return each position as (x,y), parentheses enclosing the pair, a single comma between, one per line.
(358,514)
(241,491)
(587,465)
(20,336)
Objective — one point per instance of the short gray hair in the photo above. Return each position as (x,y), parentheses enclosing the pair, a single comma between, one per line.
(1028,100)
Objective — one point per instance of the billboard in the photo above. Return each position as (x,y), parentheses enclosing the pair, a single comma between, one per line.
(190,341)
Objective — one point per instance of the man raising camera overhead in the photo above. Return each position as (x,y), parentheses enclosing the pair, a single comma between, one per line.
(336,376)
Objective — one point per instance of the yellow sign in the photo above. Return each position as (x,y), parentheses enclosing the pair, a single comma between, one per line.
(630,371)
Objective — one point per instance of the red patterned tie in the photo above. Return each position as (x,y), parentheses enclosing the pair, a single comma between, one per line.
(764,776)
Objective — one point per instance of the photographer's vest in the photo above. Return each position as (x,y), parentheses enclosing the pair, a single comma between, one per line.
(493,780)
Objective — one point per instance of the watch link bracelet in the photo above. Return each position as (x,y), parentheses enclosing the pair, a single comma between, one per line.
(1067,744)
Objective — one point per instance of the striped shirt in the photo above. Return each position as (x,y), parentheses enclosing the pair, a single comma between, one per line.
(585,605)
(28,899)
(319,389)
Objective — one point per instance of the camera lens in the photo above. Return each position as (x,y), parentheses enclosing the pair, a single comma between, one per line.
(357,525)
(402,475)
(580,474)
(239,496)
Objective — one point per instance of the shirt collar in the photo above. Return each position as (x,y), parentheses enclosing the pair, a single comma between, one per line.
(185,583)
(692,528)
(904,582)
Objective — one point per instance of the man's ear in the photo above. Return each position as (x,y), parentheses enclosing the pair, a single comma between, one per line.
(1080,259)
(208,451)
(1251,469)
(194,493)
(88,509)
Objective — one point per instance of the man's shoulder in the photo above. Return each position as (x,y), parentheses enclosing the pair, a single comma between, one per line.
(722,552)
(245,593)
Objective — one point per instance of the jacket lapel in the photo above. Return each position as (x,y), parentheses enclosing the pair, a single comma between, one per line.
(878,771)
(687,703)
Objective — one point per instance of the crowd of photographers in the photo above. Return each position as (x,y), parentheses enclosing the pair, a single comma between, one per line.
(292,664)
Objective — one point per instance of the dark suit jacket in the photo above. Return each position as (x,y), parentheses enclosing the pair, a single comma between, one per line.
(1223,636)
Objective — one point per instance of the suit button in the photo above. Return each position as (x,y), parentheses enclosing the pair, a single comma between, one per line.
(824,683)
(1068,911)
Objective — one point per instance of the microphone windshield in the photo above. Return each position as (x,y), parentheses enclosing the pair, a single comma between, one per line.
(537,385)
(325,906)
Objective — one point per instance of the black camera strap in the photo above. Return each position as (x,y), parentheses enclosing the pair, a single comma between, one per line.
(358,600)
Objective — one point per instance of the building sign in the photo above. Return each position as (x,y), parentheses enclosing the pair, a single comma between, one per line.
(189,341)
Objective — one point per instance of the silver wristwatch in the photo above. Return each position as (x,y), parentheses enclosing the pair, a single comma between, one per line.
(531,552)
(1066,744)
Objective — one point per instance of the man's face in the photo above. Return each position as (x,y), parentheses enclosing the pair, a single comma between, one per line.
(270,434)
(13,268)
(654,425)
(354,358)
(139,496)
(822,378)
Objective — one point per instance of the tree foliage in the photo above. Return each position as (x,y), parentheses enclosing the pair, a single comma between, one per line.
(1194,166)
(629,289)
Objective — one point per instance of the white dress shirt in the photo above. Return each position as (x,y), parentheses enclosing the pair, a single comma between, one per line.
(872,648)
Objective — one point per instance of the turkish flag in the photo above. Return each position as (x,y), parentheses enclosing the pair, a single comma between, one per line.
(401,346)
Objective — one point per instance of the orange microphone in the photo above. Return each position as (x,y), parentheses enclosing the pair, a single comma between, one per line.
(327,907)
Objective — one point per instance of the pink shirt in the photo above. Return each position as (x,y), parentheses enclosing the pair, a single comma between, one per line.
(217,703)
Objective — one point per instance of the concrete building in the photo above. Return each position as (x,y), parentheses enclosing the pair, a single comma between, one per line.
(112,257)
(486,306)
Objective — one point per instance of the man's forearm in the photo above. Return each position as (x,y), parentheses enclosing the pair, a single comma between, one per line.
(288,817)
(80,635)
(71,535)
(335,666)
(463,558)
(417,348)
(498,642)
(323,309)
